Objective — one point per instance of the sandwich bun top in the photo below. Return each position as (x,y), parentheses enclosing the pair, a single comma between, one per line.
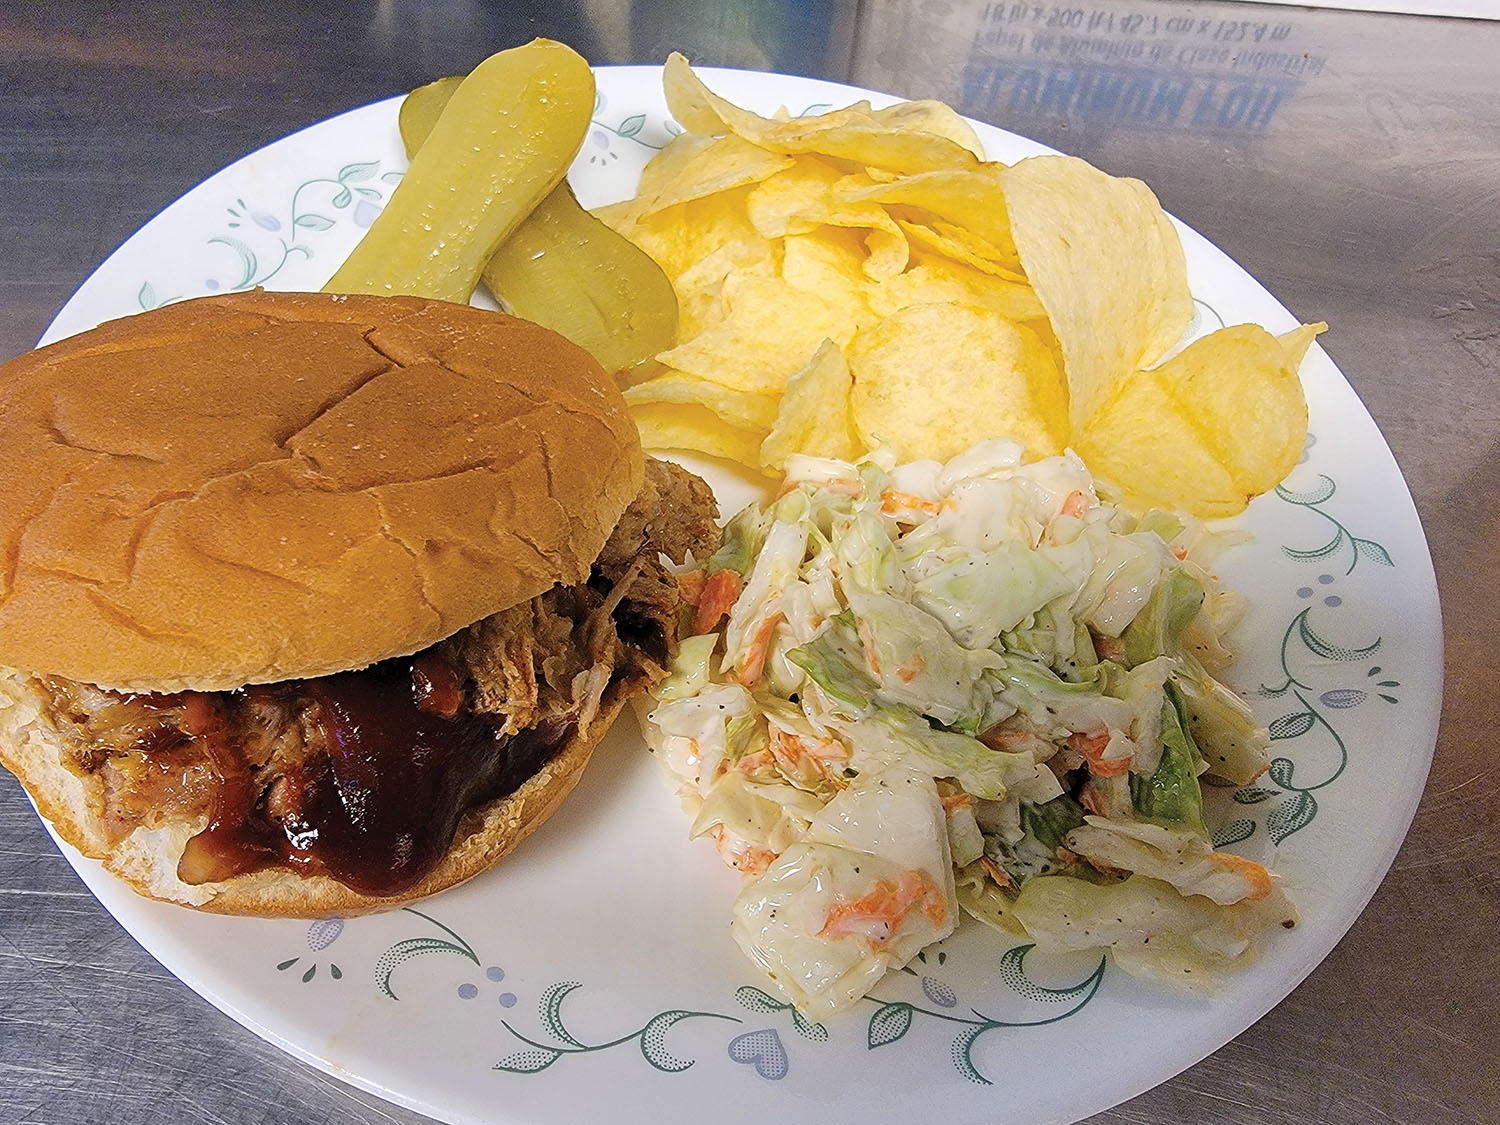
(266,486)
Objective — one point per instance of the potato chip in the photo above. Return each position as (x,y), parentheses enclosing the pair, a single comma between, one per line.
(681,236)
(830,257)
(973,200)
(814,417)
(855,133)
(1108,267)
(738,408)
(830,263)
(680,153)
(886,252)
(934,117)
(750,256)
(696,108)
(1154,455)
(640,373)
(696,428)
(939,279)
(693,167)
(801,199)
(1214,426)
(700,287)
(793,201)
(769,331)
(1238,387)
(1003,257)
(866,141)
(961,246)
(931,380)
(619,216)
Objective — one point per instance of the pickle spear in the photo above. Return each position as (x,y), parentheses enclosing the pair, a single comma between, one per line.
(565,269)
(505,140)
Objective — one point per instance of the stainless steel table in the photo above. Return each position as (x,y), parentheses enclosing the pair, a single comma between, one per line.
(1348,160)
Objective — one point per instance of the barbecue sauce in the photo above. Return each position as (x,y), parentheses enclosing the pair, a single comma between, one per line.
(377,806)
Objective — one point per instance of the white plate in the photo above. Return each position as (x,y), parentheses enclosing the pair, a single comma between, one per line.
(591,976)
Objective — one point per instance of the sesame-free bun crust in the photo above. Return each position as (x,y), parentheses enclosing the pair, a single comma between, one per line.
(267,486)
(147,858)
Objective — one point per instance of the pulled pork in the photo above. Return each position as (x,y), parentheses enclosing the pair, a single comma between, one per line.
(552,657)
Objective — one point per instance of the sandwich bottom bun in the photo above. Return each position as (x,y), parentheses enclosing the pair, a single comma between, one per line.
(146,859)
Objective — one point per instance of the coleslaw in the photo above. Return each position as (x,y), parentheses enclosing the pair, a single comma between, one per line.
(911,690)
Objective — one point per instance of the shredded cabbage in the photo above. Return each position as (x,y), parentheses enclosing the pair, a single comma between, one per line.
(979,667)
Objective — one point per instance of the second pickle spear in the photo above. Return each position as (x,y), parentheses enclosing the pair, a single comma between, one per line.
(505,141)
(565,269)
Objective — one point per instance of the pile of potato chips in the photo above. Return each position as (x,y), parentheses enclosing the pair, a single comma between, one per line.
(864,278)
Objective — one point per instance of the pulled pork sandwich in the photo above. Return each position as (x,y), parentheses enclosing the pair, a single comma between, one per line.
(313,604)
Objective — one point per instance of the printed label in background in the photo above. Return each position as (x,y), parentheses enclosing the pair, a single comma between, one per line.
(1142,68)
(1463,9)
(1150,65)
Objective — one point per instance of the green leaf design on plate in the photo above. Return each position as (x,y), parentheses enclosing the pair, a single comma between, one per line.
(550,1009)
(1292,815)
(1253,796)
(1371,549)
(1294,725)
(246,256)
(1234,832)
(807,1029)
(653,1047)
(403,951)
(313,221)
(1316,552)
(1360,548)
(1216,314)
(650,1037)
(361,170)
(889,1023)
(343,198)
(757,1001)
(1326,649)
(893,1019)
(1281,772)
(1324,490)
(1013,972)
(962,1053)
(632,125)
(528,1062)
